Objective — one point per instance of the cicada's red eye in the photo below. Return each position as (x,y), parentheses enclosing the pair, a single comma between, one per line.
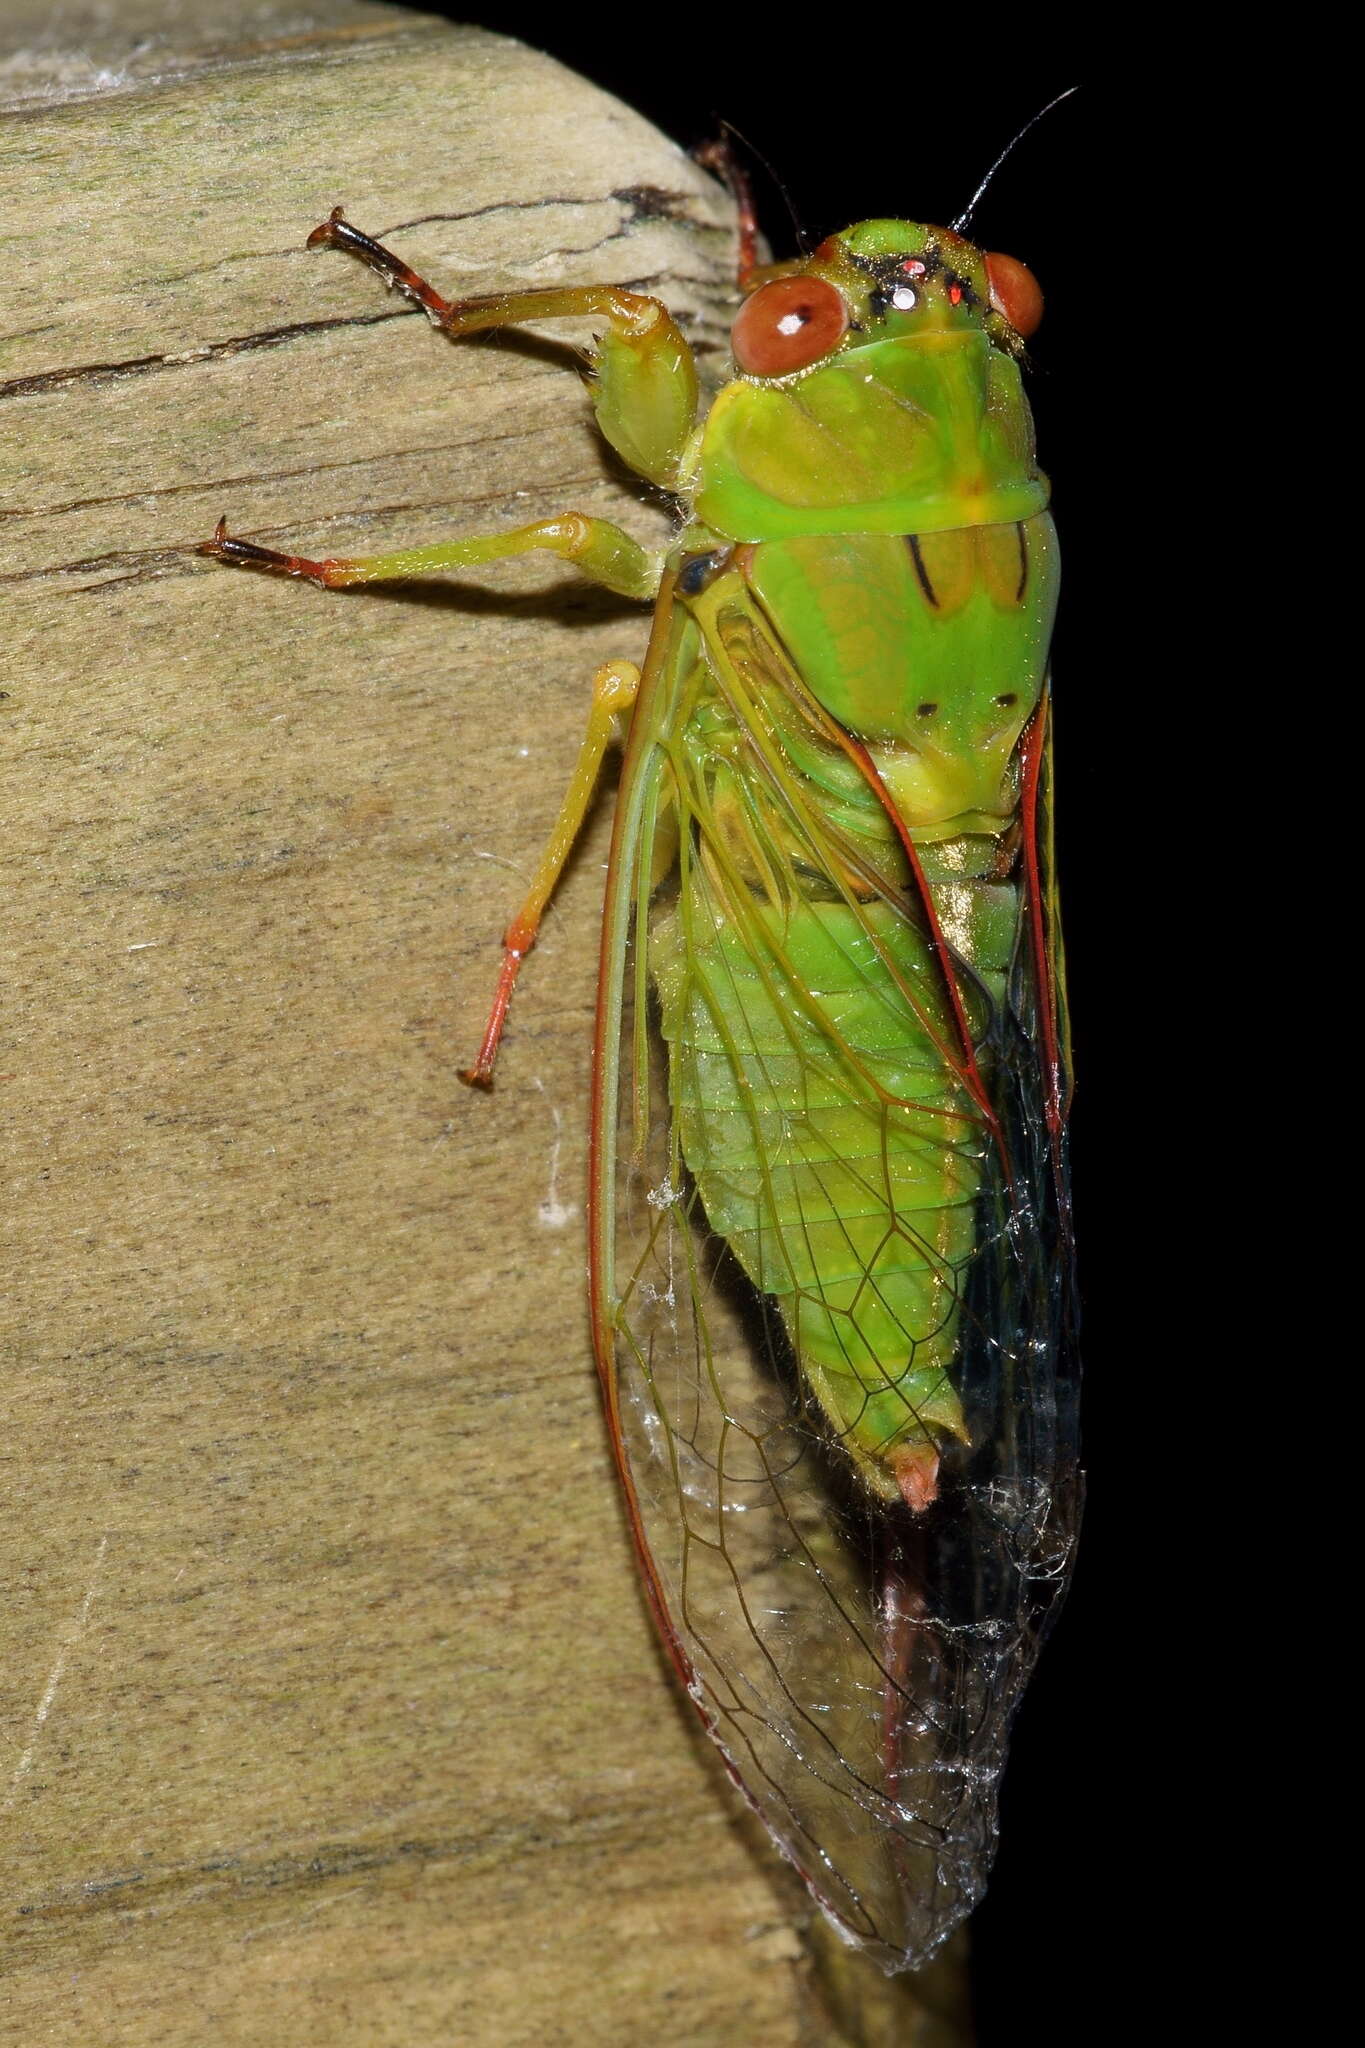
(1015,292)
(788,325)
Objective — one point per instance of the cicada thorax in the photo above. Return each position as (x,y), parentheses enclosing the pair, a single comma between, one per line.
(931,648)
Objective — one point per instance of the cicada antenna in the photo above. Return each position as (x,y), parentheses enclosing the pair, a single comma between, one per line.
(970,208)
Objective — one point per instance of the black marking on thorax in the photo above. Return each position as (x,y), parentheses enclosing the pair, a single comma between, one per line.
(1023,561)
(912,542)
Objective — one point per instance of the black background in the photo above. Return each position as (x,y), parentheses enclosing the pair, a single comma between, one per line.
(1088,1911)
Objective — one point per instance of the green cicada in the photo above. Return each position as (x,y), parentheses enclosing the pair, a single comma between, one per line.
(830,1255)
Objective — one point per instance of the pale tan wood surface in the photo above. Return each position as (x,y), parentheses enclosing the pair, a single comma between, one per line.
(331,1712)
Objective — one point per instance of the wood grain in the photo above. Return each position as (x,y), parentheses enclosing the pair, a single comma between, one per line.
(331,1712)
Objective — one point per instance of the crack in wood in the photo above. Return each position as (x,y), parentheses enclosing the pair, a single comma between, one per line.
(141,495)
(211,351)
(277,337)
(647,204)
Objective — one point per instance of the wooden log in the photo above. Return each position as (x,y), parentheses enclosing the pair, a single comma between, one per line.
(331,1709)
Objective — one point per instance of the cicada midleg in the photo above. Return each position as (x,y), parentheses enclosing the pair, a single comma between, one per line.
(830,1253)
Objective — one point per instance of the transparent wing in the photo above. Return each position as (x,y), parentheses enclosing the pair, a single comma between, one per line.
(858,1663)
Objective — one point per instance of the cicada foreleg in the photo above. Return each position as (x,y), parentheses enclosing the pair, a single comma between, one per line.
(613,692)
(644,388)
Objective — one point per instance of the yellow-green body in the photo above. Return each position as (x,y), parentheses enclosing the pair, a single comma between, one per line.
(830,886)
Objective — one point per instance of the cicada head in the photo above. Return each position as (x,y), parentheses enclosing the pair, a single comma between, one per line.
(908,277)
(878,389)
(882,278)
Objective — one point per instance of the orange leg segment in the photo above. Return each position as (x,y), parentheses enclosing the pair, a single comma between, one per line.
(630,312)
(613,691)
(719,157)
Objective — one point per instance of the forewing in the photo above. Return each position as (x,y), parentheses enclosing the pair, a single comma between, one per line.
(857,1663)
